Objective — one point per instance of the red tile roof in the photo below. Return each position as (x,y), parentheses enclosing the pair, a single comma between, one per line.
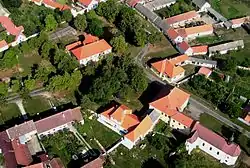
(55,4)
(205,71)
(200,49)
(183,119)
(88,38)
(7,151)
(172,33)
(165,66)
(247,118)
(179,59)
(91,49)
(85,2)
(185,32)
(184,46)
(132,3)
(22,153)
(38,165)
(239,20)
(3,43)
(58,119)
(182,17)
(56,163)
(73,45)
(10,27)
(174,100)
(214,139)
(21,129)
(97,163)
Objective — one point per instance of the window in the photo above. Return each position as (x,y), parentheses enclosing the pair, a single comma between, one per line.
(173,120)
(210,148)
(185,127)
(179,123)
(172,125)
(203,144)
(225,160)
(218,153)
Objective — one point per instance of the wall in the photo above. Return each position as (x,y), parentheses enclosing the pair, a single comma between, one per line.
(110,124)
(95,57)
(52,131)
(211,150)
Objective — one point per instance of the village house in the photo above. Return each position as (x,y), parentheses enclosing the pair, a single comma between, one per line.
(91,49)
(200,50)
(205,71)
(11,29)
(53,163)
(224,48)
(119,118)
(202,5)
(88,5)
(182,19)
(170,70)
(184,48)
(141,130)
(96,163)
(197,31)
(157,4)
(213,144)
(174,36)
(58,121)
(236,23)
(169,104)
(202,62)
(51,4)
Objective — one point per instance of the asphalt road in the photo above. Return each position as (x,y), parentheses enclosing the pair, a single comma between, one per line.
(194,103)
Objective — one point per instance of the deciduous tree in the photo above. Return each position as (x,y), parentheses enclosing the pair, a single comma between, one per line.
(80,22)
(50,23)
(119,44)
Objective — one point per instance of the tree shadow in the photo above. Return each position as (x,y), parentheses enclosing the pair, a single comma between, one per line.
(150,163)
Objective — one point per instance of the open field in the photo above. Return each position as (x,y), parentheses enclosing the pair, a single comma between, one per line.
(36,105)
(8,111)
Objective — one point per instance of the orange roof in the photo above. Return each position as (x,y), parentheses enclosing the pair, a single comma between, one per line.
(55,4)
(182,17)
(88,38)
(38,165)
(183,119)
(247,118)
(200,49)
(184,32)
(172,33)
(91,49)
(238,21)
(85,2)
(205,71)
(130,121)
(3,43)
(184,46)
(120,112)
(167,67)
(179,59)
(173,101)
(141,130)
(73,45)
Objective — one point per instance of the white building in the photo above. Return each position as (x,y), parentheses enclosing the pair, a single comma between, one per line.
(174,36)
(213,144)
(157,4)
(224,48)
(201,62)
(94,50)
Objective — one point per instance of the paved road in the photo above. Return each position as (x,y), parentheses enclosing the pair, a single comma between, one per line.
(194,103)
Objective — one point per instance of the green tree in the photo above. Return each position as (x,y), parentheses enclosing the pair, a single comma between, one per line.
(12,3)
(119,44)
(104,9)
(25,47)
(140,37)
(30,84)
(95,27)
(48,49)
(67,15)
(50,23)
(65,62)
(3,89)
(45,69)
(137,78)
(80,22)
(15,85)
(10,58)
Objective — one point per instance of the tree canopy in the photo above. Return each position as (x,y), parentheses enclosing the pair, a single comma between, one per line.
(80,22)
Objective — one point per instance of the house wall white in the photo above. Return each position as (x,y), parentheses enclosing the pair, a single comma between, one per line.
(195,35)
(200,64)
(200,53)
(204,7)
(177,40)
(211,150)
(184,22)
(234,26)
(18,40)
(4,48)
(225,51)
(54,130)
(95,57)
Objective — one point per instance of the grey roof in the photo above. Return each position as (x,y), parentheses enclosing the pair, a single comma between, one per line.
(161,24)
(154,116)
(219,17)
(158,3)
(146,12)
(203,61)
(199,3)
(226,46)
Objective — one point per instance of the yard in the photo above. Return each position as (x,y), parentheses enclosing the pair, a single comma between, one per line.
(8,112)
(231,8)
(93,129)
(62,144)
(36,105)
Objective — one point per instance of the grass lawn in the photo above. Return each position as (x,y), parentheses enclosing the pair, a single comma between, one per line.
(8,111)
(231,8)
(36,105)
(93,129)
(27,61)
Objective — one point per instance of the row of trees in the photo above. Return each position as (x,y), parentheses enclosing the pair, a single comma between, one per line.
(218,94)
